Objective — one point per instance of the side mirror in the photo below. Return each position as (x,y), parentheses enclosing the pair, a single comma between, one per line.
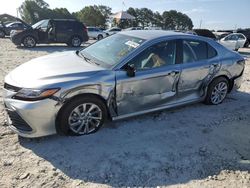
(130,70)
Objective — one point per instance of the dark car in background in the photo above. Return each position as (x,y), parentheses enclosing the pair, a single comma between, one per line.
(68,31)
(5,29)
(245,32)
(205,33)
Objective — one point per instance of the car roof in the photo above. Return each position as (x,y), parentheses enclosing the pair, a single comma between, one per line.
(68,20)
(152,34)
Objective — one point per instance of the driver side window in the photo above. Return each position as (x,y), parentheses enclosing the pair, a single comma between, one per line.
(158,55)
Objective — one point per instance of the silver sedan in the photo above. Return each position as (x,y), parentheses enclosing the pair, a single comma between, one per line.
(127,74)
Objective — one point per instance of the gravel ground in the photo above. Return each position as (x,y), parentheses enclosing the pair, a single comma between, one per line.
(192,146)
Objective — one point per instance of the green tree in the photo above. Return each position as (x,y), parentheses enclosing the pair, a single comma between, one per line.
(33,11)
(173,20)
(91,16)
(134,12)
(157,19)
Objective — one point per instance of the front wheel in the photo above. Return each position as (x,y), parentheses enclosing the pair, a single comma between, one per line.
(217,91)
(82,116)
(2,34)
(29,42)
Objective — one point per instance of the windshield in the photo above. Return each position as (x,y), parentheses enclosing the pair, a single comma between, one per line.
(41,24)
(8,25)
(109,51)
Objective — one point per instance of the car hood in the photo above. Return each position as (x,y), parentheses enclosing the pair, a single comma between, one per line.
(51,69)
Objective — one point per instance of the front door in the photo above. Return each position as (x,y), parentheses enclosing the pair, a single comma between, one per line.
(43,32)
(155,80)
(199,64)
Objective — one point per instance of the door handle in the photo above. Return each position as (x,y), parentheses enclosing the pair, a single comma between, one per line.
(215,64)
(173,73)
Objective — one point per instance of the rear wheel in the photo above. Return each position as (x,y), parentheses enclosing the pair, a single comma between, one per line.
(246,44)
(2,34)
(82,116)
(100,37)
(217,91)
(29,42)
(75,41)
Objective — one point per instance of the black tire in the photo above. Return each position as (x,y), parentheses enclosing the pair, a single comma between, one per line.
(29,42)
(99,37)
(246,44)
(211,88)
(2,34)
(68,111)
(75,41)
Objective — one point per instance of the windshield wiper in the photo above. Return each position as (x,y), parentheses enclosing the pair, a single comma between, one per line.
(86,58)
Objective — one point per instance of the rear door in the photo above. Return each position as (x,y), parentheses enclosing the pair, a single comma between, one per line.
(91,32)
(241,40)
(199,63)
(230,41)
(154,84)
(64,31)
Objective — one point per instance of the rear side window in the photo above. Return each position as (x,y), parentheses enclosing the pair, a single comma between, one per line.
(211,52)
(66,25)
(241,37)
(197,51)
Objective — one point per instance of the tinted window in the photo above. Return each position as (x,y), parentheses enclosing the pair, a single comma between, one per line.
(199,48)
(162,54)
(188,55)
(14,25)
(231,37)
(211,52)
(90,29)
(241,37)
(197,51)
(64,25)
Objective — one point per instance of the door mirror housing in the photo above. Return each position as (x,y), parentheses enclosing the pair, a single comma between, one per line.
(130,70)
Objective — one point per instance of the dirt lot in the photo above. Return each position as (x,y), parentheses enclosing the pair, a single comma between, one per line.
(192,146)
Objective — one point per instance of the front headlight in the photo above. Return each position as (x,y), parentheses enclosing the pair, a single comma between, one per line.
(35,94)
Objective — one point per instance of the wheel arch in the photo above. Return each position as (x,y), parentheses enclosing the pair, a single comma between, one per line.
(76,35)
(67,101)
(30,35)
(3,31)
(230,81)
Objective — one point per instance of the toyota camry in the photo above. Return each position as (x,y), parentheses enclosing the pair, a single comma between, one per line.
(126,74)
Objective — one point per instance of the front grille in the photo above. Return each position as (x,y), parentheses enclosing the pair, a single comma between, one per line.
(17,121)
(11,88)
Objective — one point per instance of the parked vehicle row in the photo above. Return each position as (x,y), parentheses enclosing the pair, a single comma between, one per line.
(123,75)
(71,32)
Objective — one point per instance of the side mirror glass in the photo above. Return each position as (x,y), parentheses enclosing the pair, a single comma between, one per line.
(130,70)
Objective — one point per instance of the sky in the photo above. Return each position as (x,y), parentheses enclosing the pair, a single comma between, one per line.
(210,14)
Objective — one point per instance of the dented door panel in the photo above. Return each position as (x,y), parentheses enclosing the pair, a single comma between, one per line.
(148,89)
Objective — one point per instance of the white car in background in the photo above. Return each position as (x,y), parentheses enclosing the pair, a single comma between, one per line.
(96,33)
(112,31)
(233,41)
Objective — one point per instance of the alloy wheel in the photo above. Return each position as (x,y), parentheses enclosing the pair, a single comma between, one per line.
(29,42)
(76,41)
(219,93)
(85,118)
